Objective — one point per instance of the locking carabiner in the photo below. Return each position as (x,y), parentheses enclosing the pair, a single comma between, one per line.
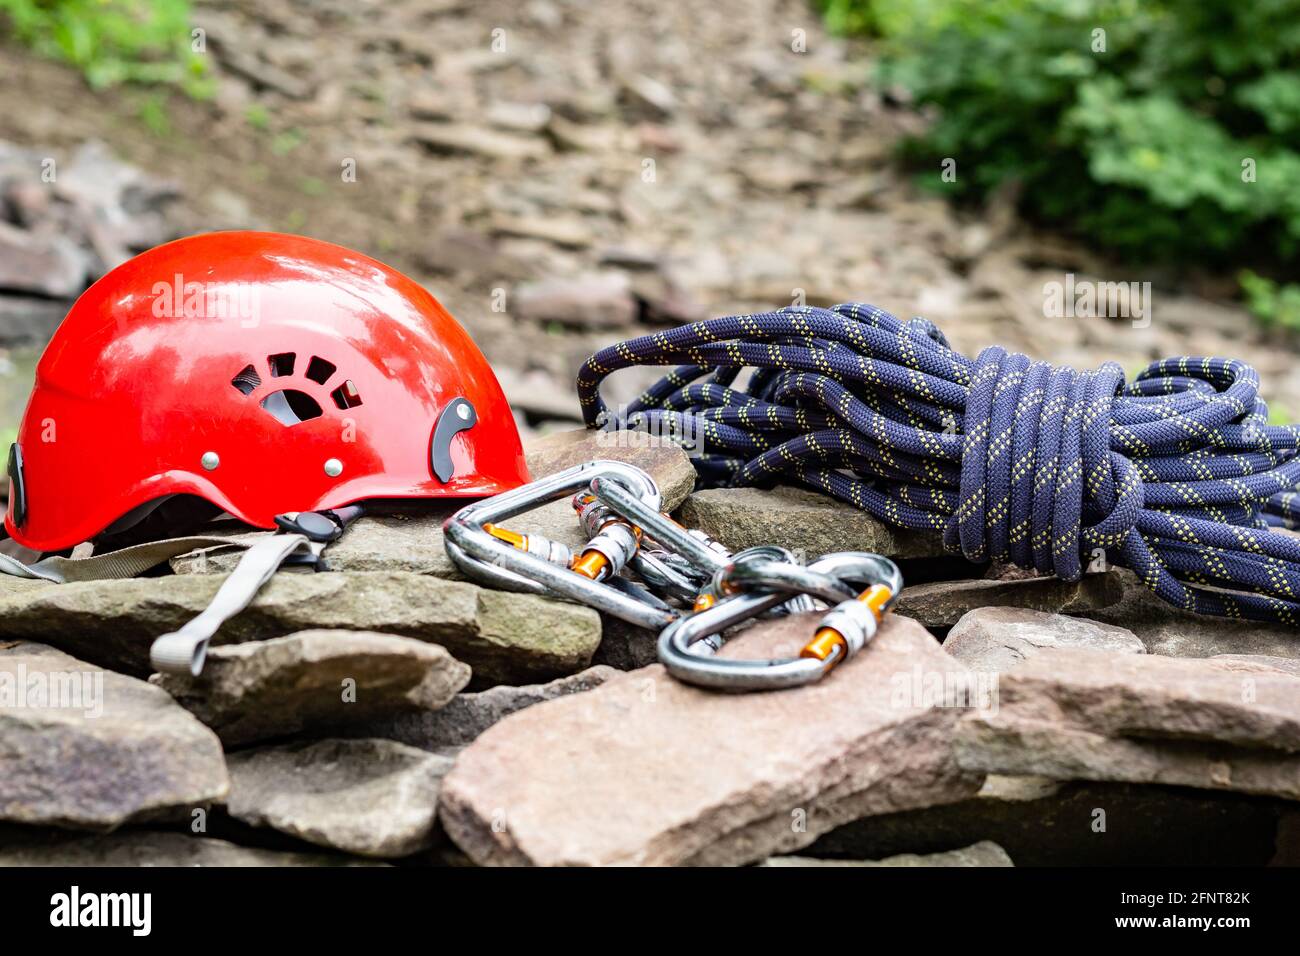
(488,554)
(754,584)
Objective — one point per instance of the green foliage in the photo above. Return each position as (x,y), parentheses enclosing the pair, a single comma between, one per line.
(1276,305)
(114,41)
(1160,129)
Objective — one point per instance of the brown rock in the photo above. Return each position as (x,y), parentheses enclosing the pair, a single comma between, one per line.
(466,716)
(478,141)
(565,782)
(48,265)
(807,523)
(567,232)
(1171,632)
(1287,665)
(595,301)
(315,679)
(998,638)
(374,798)
(942,604)
(1142,718)
(87,748)
(502,635)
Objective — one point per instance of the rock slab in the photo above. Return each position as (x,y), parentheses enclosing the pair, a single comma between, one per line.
(87,748)
(315,679)
(1172,632)
(941,604)
(504,637)
(648,771)
(374,798)
(807,523)
(1075,714)
(466,716)
(996,639)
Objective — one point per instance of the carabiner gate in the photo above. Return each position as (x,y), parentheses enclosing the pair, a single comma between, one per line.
(487,555)
(752,585)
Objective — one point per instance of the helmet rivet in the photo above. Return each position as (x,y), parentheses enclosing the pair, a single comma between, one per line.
(333,467)
(210,460)
(462,411)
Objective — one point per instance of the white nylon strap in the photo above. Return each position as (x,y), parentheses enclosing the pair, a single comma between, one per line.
(183,651)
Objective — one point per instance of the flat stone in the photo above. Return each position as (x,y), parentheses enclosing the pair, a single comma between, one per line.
(807,523)
(87,748)
(984,853)
(505,637)
(1287,665)
(44,264)
(150,848)
(316,679)
(467,716)
(735,777)
(600,300)
(645,95)
(458,250)
(519,117)
(481,141)
(570,232)
(1075,714)
(998,638)
(374,798)
(941,604)
(1172,632)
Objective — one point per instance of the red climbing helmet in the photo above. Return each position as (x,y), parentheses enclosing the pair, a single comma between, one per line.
(264,373)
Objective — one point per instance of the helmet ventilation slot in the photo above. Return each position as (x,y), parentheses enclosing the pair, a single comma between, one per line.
(290,406)
(247,380)
(319,370)
(346,395)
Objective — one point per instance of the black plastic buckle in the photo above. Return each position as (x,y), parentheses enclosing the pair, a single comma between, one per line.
(323,527)
(17,486)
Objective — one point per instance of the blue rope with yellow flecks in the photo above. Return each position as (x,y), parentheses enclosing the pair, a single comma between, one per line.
(1177,475)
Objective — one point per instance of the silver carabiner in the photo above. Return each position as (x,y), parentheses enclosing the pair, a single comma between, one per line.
(494,562)
(844,630)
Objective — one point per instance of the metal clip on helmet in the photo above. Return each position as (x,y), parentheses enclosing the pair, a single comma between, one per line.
(265,373)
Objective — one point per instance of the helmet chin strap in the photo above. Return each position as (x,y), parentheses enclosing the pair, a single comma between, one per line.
(301,540)
(184,651)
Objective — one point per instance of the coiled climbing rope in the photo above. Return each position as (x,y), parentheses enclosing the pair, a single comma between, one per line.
(1176,475)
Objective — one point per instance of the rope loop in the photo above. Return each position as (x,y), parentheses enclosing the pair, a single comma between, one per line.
(1040,486)
(1177,475)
